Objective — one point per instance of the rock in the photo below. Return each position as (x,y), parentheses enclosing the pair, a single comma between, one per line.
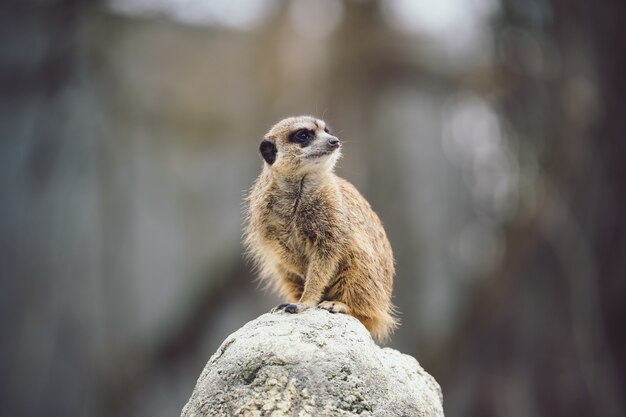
(311,364)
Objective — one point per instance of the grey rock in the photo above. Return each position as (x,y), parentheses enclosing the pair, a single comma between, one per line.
(311,364)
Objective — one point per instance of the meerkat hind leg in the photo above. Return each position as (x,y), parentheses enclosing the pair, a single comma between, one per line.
(334,307)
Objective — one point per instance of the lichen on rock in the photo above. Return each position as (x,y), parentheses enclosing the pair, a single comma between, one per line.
(311,364)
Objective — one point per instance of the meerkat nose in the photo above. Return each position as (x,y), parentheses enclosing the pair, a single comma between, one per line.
(333,142)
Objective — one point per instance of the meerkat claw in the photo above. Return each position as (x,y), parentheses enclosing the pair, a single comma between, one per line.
(279,307)
(334,307)
(289,308)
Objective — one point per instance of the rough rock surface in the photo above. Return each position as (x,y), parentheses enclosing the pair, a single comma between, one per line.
(311,364)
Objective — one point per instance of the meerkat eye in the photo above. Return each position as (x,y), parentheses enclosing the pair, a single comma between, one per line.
(302,136)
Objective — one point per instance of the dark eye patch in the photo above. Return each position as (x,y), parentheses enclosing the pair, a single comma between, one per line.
(302,136)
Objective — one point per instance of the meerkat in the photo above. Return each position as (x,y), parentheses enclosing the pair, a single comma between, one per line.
(312,235)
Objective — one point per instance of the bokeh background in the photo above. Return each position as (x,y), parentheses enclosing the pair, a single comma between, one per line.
(488,135)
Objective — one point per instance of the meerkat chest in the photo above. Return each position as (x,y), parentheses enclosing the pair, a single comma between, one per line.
(296,221)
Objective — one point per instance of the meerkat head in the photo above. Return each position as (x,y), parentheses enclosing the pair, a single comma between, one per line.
(300,145)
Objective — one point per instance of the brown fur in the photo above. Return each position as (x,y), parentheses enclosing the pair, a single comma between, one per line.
(314,238)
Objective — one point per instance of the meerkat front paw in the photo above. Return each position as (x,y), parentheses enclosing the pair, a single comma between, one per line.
(290,308)
(334,307)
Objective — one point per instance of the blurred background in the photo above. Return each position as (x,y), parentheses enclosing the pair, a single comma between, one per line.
(488,135)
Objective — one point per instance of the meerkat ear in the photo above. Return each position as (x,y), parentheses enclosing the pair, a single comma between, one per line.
(268,151)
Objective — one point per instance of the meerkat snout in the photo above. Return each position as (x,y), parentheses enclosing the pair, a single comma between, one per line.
(333,142)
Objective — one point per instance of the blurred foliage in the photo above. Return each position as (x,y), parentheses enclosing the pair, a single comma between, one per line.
(487,135)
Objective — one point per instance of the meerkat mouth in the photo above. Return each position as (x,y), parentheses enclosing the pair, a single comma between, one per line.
(319,154)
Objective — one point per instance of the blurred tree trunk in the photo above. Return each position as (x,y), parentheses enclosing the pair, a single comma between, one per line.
(544,335)
(47,159)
